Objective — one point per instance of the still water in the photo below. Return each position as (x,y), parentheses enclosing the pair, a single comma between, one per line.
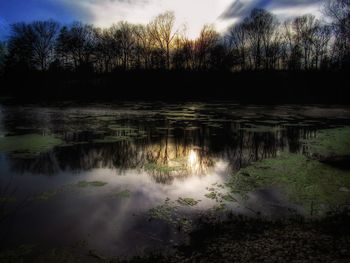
(113,163)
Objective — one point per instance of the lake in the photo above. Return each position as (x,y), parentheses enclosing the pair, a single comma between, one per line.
(127,177)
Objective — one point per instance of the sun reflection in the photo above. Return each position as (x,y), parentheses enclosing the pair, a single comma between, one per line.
(194,163)
(167,161)
(192,158)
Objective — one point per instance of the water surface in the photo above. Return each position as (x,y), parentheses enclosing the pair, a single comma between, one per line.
(140,156)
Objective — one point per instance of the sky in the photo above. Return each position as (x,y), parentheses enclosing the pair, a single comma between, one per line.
(194,14)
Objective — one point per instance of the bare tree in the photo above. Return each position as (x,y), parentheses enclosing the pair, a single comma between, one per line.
(144,44)
(76,44)
(339,12)
(237,41)
(33,44)
(124,35)
(207,40)
(261,29)
(305,30)
(163,32)
(44,35)
(321,40)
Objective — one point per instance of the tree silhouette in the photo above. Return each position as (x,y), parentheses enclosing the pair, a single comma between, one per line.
(258,42)
(163,33)
(339,12)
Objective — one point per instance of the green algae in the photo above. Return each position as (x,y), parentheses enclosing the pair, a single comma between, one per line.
(29,145)
(305,182)
(330,142)
(169,212)
(84,184)
(47,195)
(122,194)
(219,193)
(187,201)
(163,212)
(211,195)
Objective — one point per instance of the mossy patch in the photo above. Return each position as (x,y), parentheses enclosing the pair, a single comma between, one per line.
(168,212)
(122,194)
(47,195)
(187,201)
(219,193)
(305,182)
(330,142)
(29,145)
(163,212)
(84,184)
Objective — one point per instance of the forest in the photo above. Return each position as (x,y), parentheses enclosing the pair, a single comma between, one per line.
(258,43)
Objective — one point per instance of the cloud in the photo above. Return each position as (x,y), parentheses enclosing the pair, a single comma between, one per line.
(282,8)
(194,13)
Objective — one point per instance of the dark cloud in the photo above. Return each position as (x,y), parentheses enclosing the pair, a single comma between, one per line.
(242,8)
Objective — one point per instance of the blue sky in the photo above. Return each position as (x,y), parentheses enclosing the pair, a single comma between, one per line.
(193,13)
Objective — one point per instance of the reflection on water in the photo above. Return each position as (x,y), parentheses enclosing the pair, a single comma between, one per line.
(145,153)
(180,151)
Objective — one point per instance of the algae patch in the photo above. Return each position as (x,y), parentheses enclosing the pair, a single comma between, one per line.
(168,212)
(29,145)
(305,182)
(330,142)
(84,184)
(187,201)
(122,194)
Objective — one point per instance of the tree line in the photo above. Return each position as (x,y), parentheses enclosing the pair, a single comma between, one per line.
(258,42)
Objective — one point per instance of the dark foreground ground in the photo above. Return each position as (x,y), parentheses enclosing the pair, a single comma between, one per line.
(241,239)
(236,239)
(245,87)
